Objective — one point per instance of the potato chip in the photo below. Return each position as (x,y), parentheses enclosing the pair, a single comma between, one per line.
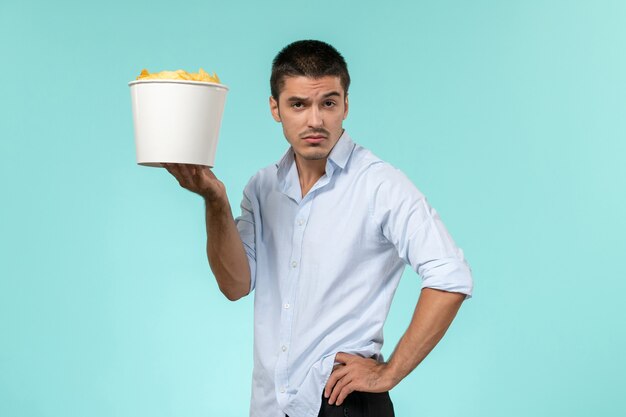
(201,75)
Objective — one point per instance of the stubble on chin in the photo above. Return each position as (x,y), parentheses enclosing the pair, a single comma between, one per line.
(315,156)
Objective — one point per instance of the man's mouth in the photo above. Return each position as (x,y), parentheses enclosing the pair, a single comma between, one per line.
(314,138)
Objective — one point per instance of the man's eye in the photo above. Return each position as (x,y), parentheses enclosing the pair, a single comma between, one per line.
(297,105)
(329,103)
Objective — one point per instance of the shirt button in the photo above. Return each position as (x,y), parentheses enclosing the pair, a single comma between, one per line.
(282,390)
(294,264)
(284,348)
(300,222)
(286,305)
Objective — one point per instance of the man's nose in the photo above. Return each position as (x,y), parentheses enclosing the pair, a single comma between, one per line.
(315,117)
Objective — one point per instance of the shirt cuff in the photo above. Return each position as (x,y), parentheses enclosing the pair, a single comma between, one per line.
(447,274)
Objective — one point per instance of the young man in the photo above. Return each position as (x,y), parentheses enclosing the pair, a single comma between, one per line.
(323,239)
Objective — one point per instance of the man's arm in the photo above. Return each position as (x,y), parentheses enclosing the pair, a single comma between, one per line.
(225,252)
(433,314)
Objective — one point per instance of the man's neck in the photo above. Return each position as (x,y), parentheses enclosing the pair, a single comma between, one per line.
(309,171)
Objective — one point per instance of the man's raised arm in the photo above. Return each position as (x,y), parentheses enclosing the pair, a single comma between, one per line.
(224,247)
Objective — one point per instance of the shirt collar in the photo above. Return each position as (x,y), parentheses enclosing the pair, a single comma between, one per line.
(341,151)
(339,156)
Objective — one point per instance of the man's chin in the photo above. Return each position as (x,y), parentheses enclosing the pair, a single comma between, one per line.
(314,156)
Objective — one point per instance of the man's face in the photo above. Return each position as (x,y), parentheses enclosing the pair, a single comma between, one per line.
(312,111)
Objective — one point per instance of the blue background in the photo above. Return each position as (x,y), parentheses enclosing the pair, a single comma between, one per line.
(508,115)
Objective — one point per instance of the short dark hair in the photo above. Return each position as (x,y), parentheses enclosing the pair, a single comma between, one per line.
(309,58)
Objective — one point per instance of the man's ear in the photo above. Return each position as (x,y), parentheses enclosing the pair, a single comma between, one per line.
(345,111)
(274,109)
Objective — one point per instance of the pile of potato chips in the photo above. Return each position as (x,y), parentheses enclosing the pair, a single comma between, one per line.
(201,75)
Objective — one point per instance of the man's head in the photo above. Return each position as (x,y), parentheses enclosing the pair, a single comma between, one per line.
(309,97)
(308,58)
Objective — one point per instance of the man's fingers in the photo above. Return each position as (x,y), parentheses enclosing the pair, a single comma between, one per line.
(339,378)
(185,170)
(342,357)
(345,358)
(198,179)
(339,386)
(169,168)
(338,373)
(345,391)
(175,171)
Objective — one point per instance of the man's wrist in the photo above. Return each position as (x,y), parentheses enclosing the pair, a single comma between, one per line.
(391,375)
(216,204)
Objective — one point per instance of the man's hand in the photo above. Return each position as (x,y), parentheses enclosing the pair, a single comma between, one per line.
(198,179)
(354,373)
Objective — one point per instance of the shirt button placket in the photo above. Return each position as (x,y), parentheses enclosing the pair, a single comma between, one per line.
(282,377)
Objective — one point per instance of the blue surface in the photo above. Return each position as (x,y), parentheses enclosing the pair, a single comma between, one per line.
(509,116)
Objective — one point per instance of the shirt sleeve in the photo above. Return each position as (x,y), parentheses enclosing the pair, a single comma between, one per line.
(420,237)
(246,227)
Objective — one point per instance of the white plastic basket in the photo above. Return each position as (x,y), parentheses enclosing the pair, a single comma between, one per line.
(176,121)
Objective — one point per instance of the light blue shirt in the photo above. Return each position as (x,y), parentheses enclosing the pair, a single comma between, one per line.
(325,267)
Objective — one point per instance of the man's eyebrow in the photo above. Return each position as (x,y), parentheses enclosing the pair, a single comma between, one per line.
(332,94)
(295,98)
